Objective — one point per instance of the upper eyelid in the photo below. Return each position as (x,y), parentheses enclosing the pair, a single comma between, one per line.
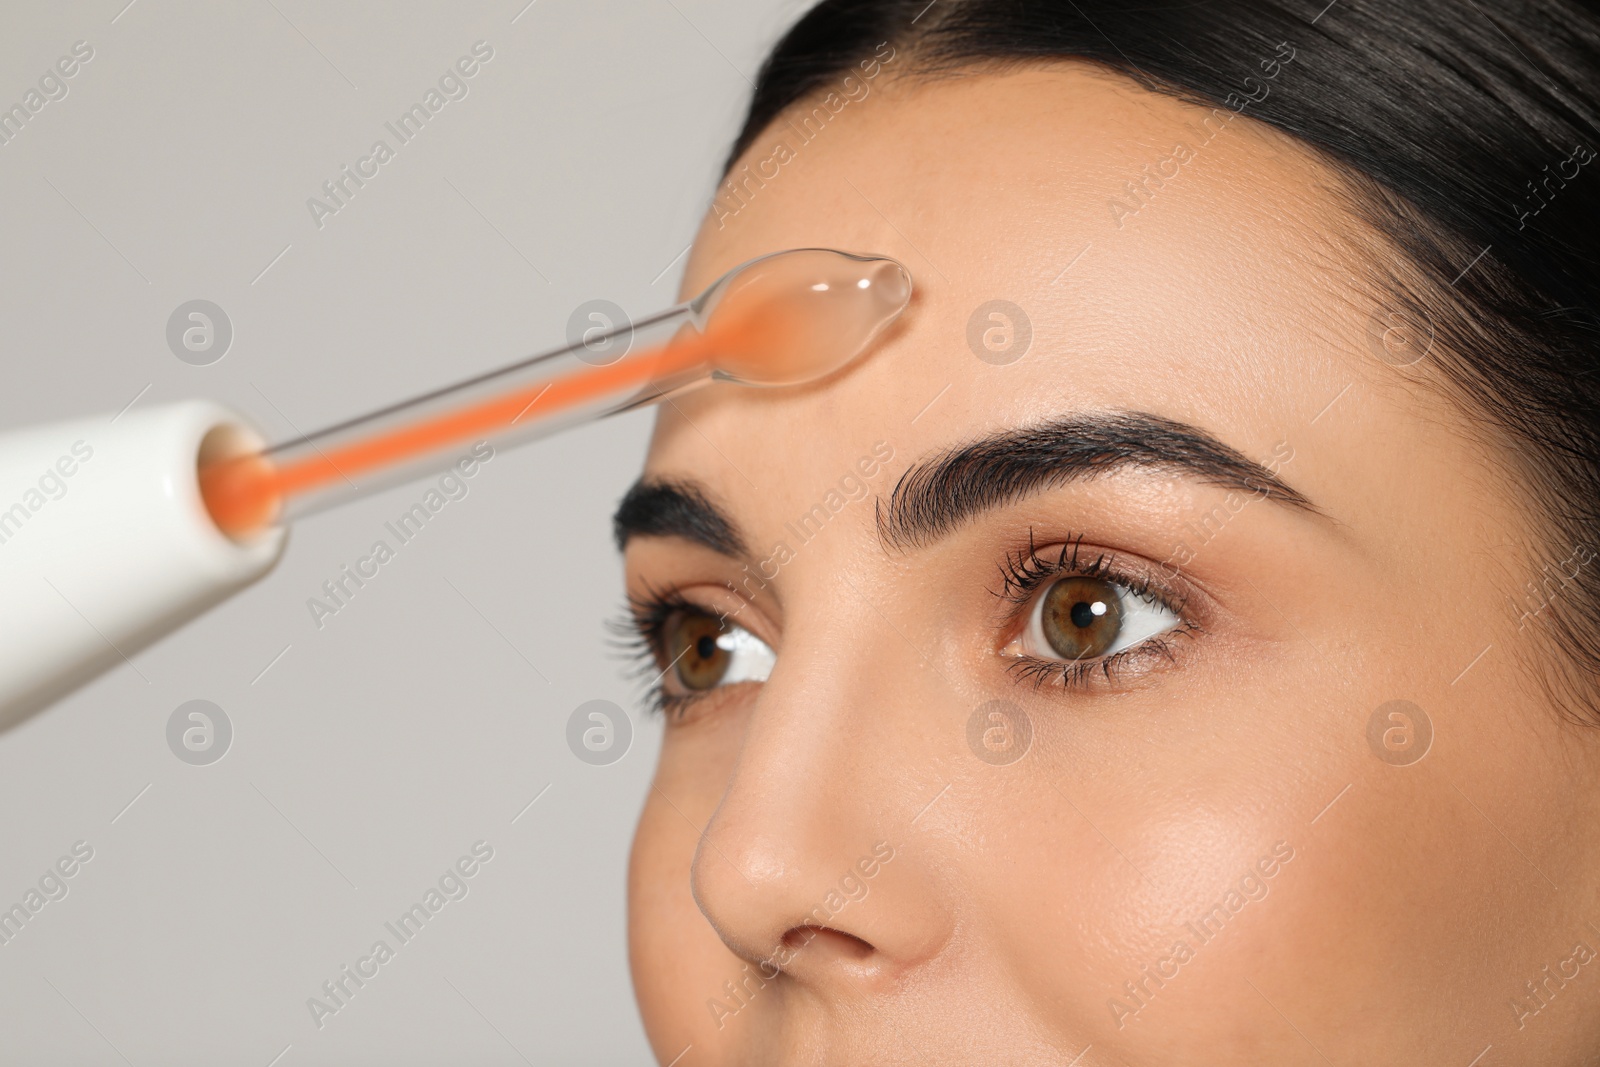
(658,604)
(1192,608)
(1130,571)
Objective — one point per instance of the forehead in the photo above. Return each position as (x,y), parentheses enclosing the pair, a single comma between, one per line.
(1077,243)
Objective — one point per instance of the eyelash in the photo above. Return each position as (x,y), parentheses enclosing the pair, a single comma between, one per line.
(1025,574)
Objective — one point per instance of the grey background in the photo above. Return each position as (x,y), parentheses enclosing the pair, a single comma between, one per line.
(368,756)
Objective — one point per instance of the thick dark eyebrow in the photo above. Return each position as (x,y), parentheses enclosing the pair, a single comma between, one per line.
(943,491)
(660,508)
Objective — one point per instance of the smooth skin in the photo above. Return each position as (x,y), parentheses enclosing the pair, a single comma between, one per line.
(1407,906)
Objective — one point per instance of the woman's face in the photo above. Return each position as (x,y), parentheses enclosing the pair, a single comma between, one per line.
(1083,746)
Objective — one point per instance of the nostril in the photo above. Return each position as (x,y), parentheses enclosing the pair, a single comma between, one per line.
(834,942)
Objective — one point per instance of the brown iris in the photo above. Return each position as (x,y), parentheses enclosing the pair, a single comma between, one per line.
(691,646)
(1081,617)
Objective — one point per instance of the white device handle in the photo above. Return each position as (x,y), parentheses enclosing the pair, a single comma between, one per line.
(105,544)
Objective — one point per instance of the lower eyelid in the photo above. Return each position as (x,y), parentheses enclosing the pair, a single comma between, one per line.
(677,707)
(1109,669)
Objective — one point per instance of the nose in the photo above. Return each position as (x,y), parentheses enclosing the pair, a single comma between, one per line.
(810,865)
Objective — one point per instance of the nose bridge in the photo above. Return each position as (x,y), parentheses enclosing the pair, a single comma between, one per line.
(814,830)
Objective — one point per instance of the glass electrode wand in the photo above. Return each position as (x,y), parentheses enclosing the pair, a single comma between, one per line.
(125,528)
(783,319)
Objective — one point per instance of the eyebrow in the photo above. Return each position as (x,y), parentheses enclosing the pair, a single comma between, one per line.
(941,492)
(951,487)
(666,508)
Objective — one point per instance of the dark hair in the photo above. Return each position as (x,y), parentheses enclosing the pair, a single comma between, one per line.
(1455,127)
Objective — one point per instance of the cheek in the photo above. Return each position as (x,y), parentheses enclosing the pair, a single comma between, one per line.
(665,929)
(1124,917)
(1406,905)
(1094,916)
(1398,889)
(677,959)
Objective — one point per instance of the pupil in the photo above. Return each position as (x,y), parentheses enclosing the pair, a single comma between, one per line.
(706,646)
(1083,615)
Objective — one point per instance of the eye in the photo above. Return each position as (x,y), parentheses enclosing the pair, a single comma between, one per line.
(1091,619)
(1083,618)
(704,651)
